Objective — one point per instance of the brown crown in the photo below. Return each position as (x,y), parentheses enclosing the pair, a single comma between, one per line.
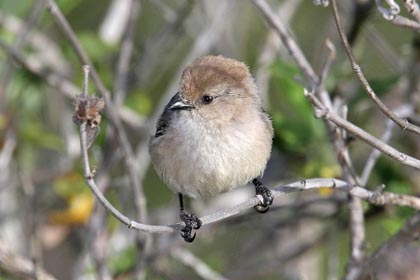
(209,71)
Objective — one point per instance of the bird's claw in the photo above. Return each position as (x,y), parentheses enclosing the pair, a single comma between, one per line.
(265,196)
(192,222)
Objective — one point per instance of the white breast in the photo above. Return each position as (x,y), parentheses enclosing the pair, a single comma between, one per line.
(201,159)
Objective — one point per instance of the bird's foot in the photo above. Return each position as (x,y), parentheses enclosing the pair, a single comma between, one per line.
(265,196)
(192,222)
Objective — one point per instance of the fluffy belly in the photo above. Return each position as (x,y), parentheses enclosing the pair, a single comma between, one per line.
(205,166)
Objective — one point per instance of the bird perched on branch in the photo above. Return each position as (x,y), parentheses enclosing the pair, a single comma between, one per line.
(213,135)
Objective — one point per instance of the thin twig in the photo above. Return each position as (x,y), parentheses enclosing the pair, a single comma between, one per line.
(96,237)
(125,54)
(38,42)
(140,200)
(200,267)
(403,123)
(338,138)
(403,111)
(377,40)
(407,234)
(406,22)
(393,13)
(18,267)
(271,49)
(66,87)
(323,112)
(86,70)
(290,44)
(115,21)
(202,44)
(6,152)
(331,52)
(357,239)
(34,14)
(120,91)
(333,241)
(157,50)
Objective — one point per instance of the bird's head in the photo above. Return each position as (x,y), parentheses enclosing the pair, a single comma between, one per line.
(217,88)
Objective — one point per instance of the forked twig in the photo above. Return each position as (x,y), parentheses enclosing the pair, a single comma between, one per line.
(403,123)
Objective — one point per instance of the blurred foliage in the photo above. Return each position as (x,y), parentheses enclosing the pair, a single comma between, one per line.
(80,201)
(293,118)
(296,130)
(140,102)
(123,261)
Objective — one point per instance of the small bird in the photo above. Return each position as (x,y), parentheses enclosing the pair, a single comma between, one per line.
(213,135)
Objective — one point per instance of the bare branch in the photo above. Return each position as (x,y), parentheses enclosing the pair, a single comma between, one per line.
(140,200)
(200,267)
(125,54)
(271,49)
(398,247)
(19,267)
(403,111)
(406,22)
(6,152)
(34,14)
(357,238)
(66,87)
(331,52)
(393,13)
(375,154)
(374,198)
(403,123)
(116,20)
(323,112)
(290,44)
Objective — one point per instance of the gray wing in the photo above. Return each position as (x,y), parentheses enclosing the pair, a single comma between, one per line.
(166,117)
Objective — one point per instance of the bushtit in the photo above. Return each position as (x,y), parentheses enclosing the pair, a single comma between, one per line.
(213,135)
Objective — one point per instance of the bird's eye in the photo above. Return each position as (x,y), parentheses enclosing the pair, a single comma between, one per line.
(207,99)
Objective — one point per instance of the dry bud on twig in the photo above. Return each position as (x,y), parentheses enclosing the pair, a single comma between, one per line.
(87,111)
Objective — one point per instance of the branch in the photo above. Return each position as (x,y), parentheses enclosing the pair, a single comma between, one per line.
(21,37)
(405,110)
(402,246)
(406,22)
(357,239)
(200,267)
(125,54)
(82,106)
(403,123)
(271,49)
(372,197)
(20,267)
(140,200)
(322,112)
(290,44)
(6,154)
(393,13)
(66,87)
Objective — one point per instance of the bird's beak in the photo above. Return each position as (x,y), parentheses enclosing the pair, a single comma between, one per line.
(179,104)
